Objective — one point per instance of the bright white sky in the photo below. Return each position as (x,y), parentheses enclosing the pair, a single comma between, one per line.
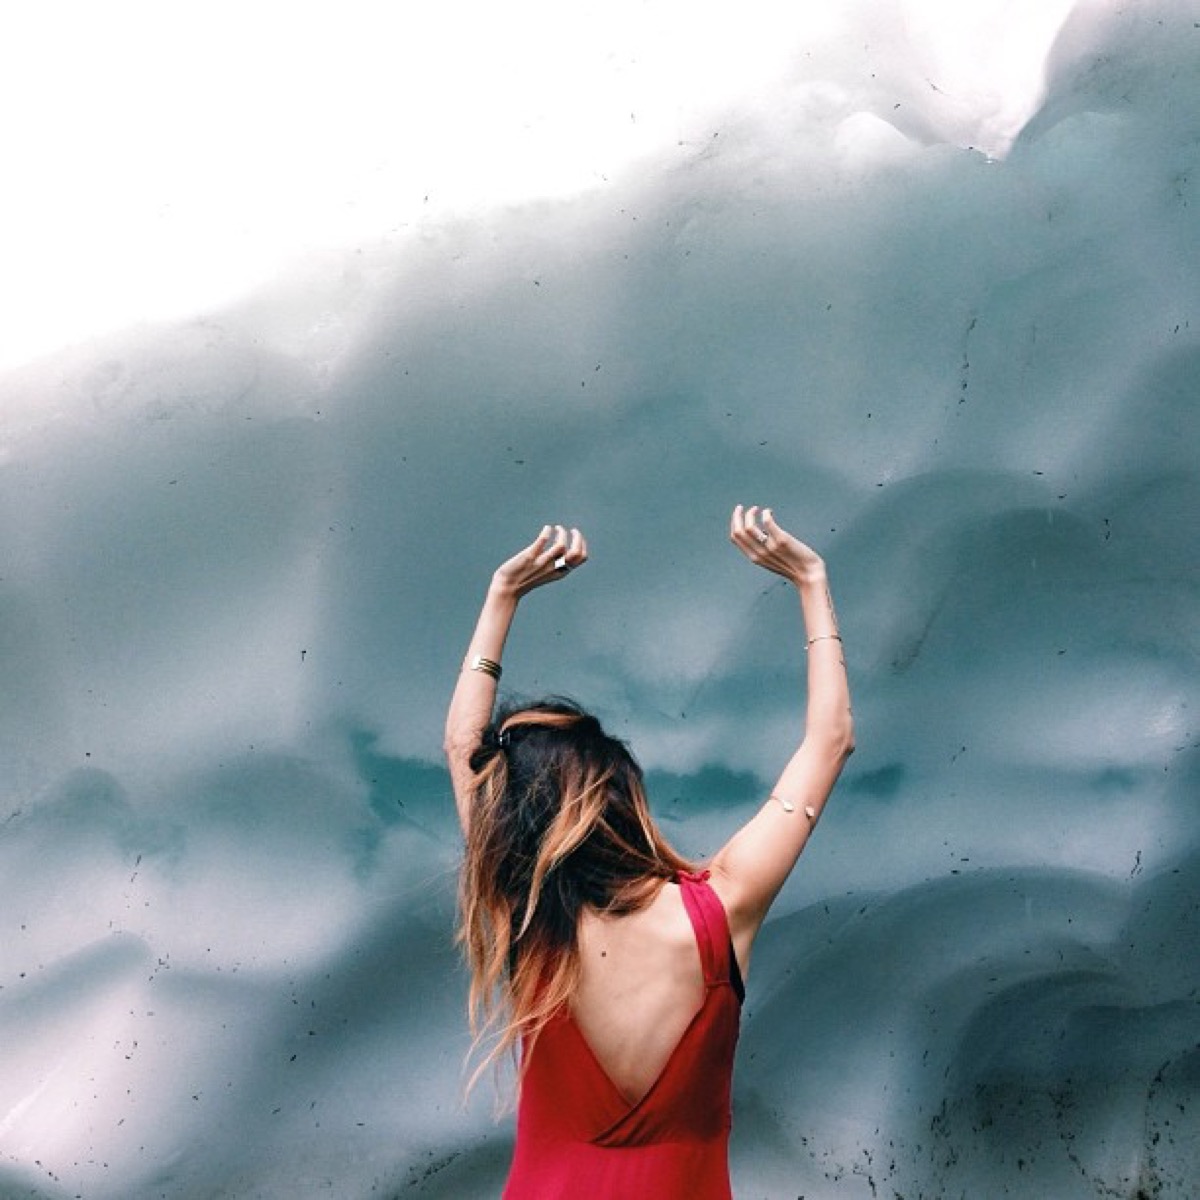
(164,158)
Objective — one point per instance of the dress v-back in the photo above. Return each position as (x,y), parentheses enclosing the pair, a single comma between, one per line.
(578,1135)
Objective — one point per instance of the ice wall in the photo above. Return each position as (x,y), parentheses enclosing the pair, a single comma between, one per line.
(240,555)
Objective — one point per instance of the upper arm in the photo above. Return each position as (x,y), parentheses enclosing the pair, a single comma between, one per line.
(468,716)
(461,781)
(749,870)
(469,713)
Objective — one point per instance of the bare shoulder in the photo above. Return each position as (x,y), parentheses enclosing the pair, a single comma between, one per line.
(661,924)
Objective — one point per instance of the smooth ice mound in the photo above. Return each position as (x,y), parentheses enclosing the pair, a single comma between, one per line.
(240,555)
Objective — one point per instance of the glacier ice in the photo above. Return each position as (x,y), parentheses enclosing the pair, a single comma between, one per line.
(240,553)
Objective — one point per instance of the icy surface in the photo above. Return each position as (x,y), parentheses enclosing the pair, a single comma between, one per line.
(939,304)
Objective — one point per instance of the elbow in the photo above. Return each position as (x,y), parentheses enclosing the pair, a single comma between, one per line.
(837,741)
(843,747)
(458,744)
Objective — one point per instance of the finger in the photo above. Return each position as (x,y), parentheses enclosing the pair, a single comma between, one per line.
(554,544)
(564,554)
(577,550)
(741,529)
(746,527)
(539,542)
(751,535)
(766,526)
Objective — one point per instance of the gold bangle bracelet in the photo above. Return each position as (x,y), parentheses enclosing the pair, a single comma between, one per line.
(823,637)
(489,666)
(789,807)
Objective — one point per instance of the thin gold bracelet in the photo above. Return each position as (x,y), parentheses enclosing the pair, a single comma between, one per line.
(823,637)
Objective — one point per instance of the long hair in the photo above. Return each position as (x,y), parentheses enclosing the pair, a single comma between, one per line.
(558,822)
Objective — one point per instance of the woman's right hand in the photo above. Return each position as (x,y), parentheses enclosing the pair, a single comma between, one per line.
(767,544)
(551,556)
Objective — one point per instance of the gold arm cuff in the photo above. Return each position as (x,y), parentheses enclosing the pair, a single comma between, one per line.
(489,666)
(788,806)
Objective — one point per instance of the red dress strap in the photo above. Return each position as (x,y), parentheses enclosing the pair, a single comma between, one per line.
(710,923)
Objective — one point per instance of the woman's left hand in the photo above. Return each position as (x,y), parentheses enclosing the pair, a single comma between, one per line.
(770,546)
(551,556)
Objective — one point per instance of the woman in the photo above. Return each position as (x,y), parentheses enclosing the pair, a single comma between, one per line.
(607,958)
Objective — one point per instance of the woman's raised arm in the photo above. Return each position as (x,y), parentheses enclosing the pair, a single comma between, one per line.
(754,864)
(552,555)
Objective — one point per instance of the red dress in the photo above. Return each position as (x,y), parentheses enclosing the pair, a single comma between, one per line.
(578,1136)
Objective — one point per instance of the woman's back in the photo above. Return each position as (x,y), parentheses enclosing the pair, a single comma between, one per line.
(640,985)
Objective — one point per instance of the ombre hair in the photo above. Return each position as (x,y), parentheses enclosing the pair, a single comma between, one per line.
(558,822)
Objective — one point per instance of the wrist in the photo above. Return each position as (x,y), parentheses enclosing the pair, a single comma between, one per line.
(812,577)
(502,591)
